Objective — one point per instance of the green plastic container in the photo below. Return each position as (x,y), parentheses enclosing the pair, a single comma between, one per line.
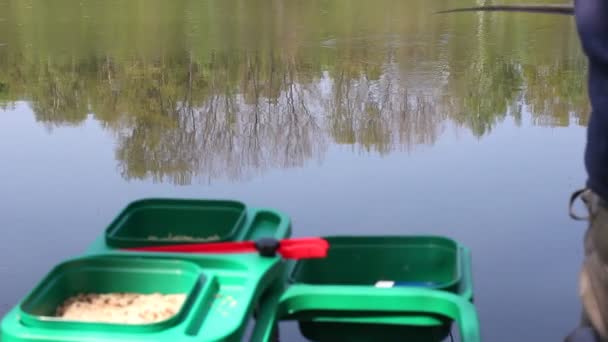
(169,221)
(333,299)
(105,275)
(338,305)
(427,262)
(432,262)
(334,308)
(219,306)
(326,325)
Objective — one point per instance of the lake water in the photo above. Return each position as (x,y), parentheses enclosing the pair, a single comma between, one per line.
(354,117)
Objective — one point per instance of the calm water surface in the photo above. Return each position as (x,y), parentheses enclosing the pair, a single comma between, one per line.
(355,117)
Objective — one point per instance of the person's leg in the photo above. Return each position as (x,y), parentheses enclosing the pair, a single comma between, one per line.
(593,279)
(582,334)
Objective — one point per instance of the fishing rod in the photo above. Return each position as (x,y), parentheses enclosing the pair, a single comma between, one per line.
(548,9)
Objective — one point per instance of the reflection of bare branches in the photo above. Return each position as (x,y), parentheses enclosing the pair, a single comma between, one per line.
(233,117)
(60,99)
(234,114)
(490,92)
(188,103)
(420,120)
(224,134)
(382,114)
(553,94)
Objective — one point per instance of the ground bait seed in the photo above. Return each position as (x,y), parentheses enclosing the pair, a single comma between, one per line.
(125,308)
(185,237)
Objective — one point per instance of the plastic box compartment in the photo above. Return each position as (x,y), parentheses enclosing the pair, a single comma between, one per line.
(155,222)
(330,311)
(429,262)
(432,262)
(110,274)
(224,291)
(370,332)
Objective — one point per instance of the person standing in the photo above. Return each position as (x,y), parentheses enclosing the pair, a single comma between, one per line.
(591,18)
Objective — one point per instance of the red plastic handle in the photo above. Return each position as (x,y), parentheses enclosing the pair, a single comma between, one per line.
(303,248)
(297,248)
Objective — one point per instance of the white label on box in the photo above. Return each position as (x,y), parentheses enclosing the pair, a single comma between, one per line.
(385,283)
